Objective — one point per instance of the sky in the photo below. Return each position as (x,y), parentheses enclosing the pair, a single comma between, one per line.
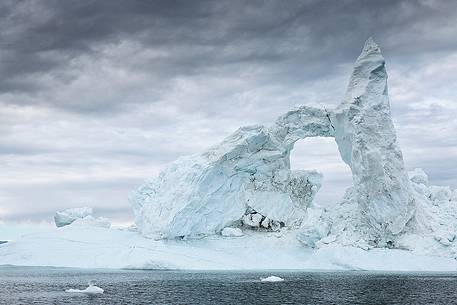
(97,96)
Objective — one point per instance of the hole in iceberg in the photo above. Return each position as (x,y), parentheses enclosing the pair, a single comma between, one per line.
(322,154)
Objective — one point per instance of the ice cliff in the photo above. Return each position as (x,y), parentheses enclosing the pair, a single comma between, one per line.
(246,182)
(367,142)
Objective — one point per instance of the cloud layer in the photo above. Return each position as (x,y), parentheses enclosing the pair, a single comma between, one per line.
(96,96)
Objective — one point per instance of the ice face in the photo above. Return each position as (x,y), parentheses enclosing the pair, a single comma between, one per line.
(246,179)
(249,171)
(80,217)
(68,216)
(367,142)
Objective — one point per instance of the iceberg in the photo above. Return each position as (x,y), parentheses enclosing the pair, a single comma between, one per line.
(68,216)
(80,217)
(247,174)
(246,180)
(92,289)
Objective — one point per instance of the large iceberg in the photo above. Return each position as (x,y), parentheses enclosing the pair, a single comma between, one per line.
(246,179)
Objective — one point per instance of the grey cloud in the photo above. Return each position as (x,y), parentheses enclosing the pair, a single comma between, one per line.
(290,42)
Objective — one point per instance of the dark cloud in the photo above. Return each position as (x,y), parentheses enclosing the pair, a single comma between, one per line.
(43,40)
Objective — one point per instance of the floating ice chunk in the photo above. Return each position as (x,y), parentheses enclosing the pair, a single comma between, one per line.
(272,278)
(91,290)
(68,216)
(232,232)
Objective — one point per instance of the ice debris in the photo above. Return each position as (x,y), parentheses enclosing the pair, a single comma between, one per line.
(232,232)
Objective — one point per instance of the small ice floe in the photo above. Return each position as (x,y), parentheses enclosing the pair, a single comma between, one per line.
(91,290)
(271,278)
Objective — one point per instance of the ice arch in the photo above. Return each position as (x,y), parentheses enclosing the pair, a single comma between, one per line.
(322,155)
(247,177)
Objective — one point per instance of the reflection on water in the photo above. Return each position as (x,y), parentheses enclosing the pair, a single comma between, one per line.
(47,286)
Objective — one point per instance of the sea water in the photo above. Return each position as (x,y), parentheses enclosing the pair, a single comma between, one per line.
(29,285)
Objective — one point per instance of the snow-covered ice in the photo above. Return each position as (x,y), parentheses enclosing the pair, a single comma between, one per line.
(94,247)
(92,221)
(272,278)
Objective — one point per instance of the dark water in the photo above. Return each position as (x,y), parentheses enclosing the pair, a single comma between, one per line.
(47,286)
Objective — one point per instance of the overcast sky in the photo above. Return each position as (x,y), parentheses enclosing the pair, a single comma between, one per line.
(96,96)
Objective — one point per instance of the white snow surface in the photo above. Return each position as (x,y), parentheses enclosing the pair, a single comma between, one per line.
(85,247)
(92,221)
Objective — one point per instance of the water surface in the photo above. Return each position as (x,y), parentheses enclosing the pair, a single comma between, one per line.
(20,285)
